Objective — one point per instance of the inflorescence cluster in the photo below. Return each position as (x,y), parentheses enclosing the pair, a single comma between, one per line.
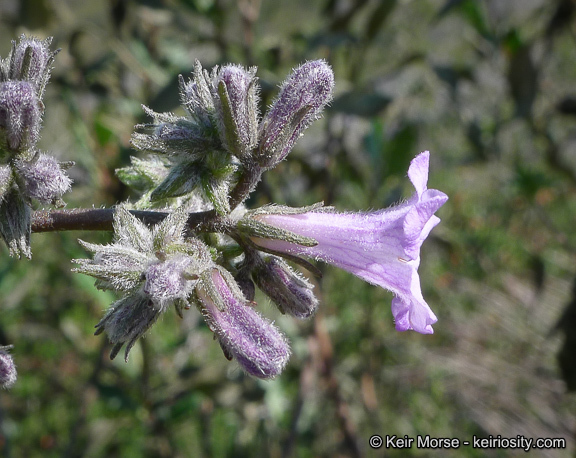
(25,172)
(209,251)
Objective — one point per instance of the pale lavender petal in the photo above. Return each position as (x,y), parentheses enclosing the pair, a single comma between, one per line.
(418,172)
(382,247)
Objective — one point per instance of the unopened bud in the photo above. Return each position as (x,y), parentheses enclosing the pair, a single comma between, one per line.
(196,96)
(260,349)
(20,115)
(31,60)
(246,286)
(237,109)
(167,281)
(43,178)
(291,292)
(15,224)
(302,98)
(127,320)
(173,136)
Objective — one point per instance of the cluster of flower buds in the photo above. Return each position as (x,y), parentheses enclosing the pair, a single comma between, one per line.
(25,172)
(159,267)
(209,161)
(222,144)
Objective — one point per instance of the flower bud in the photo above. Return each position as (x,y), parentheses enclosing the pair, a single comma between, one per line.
(246,285)
(302,98)
(196,96)
(15,224)
(291,292)
(8,373)
(237,109)
(31,60)
(167,281)
(260,349)
(143,174)
(127,320)
(173,136)
(43,178)
(20,115)
(5,180)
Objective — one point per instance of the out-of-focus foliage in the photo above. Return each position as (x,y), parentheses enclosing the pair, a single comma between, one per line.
(487,86)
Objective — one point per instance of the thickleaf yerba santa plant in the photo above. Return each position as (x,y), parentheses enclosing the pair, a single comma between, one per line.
(189,241)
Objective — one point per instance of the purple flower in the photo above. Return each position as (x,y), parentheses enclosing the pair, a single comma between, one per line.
(381,247)
(243,333)
(302,98)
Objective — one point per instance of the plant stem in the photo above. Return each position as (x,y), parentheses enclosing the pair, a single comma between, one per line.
(101,219)
(246,184)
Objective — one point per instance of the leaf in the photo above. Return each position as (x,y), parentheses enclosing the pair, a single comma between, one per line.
(181,180)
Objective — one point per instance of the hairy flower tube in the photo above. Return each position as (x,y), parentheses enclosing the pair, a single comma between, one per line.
(381,247)
(258,346)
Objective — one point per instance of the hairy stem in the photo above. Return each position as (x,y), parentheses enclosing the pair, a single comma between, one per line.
(246,184)
(101,219)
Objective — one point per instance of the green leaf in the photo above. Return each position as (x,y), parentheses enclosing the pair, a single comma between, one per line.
(181,180)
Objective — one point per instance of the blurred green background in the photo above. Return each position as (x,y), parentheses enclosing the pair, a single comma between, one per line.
(489,87)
